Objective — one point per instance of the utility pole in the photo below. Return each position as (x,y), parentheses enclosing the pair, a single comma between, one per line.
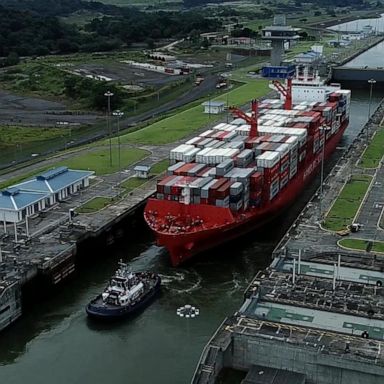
(118,114)
(322,129)
(109,94)
(371,83)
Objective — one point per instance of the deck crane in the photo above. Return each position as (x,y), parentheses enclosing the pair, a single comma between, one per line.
(251,120)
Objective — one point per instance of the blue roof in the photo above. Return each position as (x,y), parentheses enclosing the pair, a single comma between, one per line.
(68,178)
(10,191)
(54,180)
(6,202)
(34,185)
(142,168)
(52,173)
(19,200)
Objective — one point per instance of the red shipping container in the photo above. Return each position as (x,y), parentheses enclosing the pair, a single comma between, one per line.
(270,177)
(182,170)
(254,195)
(223,191)
(285,159)
(216,186)
(257,178)
(253,142)
(301,125)
(204,170)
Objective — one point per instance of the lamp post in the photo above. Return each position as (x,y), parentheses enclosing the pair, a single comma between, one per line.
(322,129)
(228,78)
(118,114)
(109,94)
(371,82)
(64,124)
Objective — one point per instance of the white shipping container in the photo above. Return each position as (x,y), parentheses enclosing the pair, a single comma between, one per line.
(207,133)
(292,170)
(205,189)
(268,159)
(193,140)
(190,156)
(174,167)
(243,130)
(178,152)
(236,188)
(219,127)
(224,203)
(283,149)
(236,206)
(284,181)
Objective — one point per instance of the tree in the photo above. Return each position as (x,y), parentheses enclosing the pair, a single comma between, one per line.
(150,43)
(205,43)
(12,59)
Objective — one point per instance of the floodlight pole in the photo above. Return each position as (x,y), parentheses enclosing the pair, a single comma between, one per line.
(118,114)
(371,83)
(109,94)
(322,129)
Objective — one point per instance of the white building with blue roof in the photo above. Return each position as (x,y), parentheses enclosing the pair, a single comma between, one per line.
(15,204)
(44,190)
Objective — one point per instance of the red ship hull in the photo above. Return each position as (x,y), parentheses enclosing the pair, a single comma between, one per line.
(221,224)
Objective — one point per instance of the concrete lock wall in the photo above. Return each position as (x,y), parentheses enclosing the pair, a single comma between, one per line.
(358,75)
(319,368)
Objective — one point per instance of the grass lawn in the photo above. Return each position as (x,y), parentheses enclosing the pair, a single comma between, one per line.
(13,135)
(184,123)
(94,205)
(345,207)
(133,183)
(375,151)
(34,79)
(159,167)
(360,244)
(99,160)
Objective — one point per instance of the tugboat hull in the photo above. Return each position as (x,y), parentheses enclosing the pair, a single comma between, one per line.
(99,310)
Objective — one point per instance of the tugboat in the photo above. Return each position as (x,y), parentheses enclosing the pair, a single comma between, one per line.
(126,293)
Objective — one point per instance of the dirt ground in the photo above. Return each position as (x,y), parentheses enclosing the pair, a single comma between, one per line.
(23,110)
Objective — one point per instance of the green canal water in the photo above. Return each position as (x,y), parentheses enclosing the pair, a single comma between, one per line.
(55,343)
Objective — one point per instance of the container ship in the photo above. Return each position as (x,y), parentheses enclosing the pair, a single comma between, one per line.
(237,176)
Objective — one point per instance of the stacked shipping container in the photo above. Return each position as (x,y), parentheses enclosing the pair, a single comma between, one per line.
(224,167)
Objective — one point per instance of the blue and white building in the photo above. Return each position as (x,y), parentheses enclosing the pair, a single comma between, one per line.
(44,190)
